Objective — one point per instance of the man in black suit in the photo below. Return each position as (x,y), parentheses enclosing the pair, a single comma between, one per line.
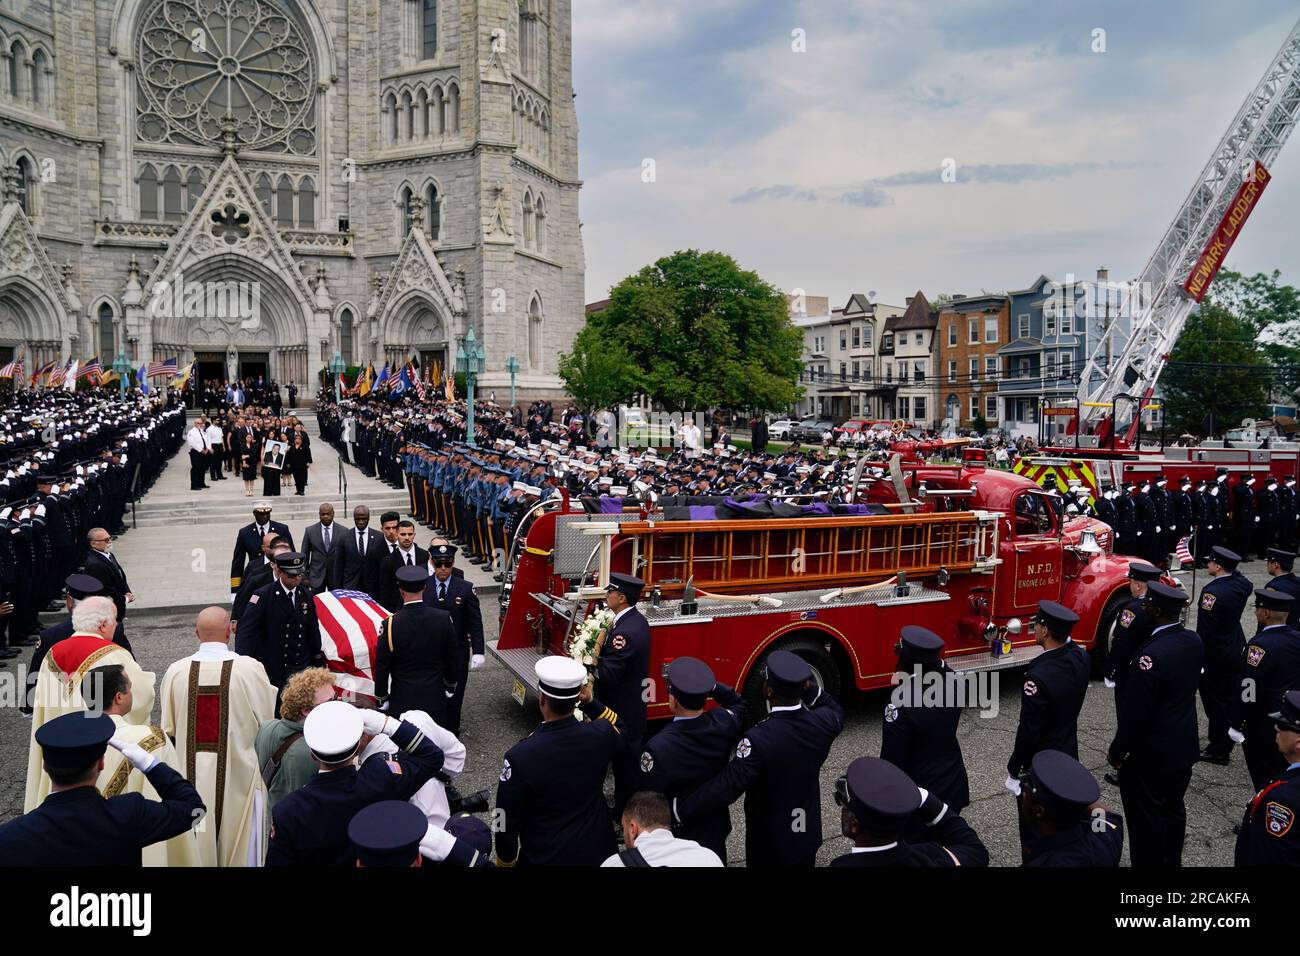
(456,596)
(248,543)
(416,653)
(406,553)
(104,567)
(352,549)
(76,825)
(622,667)
(318,543)
(372,578)
(279,625)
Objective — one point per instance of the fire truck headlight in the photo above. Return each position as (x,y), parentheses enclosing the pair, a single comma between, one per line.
(1014,626)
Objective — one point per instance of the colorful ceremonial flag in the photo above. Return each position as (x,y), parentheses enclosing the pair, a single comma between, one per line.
(181,380)
(167,368)
(91,370)
(367,380)
(59,375)
(449,387)
(349,632)
(383,376)
(401,384)
(144,378)
(1184,551)
(421,390)
(42,373)
(13,370)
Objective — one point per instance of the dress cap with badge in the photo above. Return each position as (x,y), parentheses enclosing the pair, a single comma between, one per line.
(1165,596)
(690,680)
(291,562)
(881,795)
(559,677)
(388,833)
(1062,784)
(411,578)
(74,741)
(787,673)
(1057,618)
(1141,571)
(82,586)
(1226,559)
(1271,600)
(1288,715)
(626,584)
(333,731)
(443,552)
(919,644)
(1284,559)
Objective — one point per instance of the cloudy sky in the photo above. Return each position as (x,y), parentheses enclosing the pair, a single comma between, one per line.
(822,169)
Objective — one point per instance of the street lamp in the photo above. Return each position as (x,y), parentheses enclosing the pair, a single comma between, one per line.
(512,366)
(337,367)
(469,362)
(123,368)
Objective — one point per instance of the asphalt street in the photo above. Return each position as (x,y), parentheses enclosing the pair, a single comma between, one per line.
(493,722)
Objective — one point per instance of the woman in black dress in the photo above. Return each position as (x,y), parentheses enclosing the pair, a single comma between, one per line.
(297,459)
(248,448)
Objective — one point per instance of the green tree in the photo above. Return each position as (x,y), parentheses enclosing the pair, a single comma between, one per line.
(700,332)
(979,424)
(598,372)
(1216,369)
(1273,310)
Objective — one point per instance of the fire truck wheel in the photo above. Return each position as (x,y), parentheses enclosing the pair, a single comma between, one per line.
(1101,647)
(826,673)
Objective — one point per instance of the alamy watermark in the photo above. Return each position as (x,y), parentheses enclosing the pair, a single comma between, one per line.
(226,300)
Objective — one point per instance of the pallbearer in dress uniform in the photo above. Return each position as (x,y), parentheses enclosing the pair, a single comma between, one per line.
(248,542)
(1056,682)
(622,669)
(415,654)
(1268,835)
(1131,627)
(1269,668)
(75,825)
(892,822)
(920,736)
(395,833)
(1279,565)
(279,626)
(1218,622)
(1058,797)
(447,591)
(693,748)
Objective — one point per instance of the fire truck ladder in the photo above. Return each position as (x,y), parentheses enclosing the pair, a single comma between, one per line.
(1257,133)
(780,554)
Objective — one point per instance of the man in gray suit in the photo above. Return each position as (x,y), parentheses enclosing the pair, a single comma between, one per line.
(318,543)
(353,546)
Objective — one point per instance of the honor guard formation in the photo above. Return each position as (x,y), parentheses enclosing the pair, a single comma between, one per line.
(286,739)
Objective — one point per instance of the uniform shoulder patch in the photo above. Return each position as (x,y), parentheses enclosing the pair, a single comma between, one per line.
(618,642)
(1254,654)
(1278,818)
(1030,688)
(505,771)
(891,713)
(1145,662)
(1126,618)
(254,599)
(1207,600)
(647,762)
(394,767)
(744,748)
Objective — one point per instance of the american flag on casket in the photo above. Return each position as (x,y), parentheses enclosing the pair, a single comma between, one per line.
(349,630)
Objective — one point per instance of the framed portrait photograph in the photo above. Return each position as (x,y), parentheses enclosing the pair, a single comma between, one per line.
(273,453)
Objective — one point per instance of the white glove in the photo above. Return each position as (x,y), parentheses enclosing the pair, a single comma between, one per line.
(1012,785)
(1139,534)
(477,661)
(436,844)
(1256,519)
(1158,529)
(375,723)
(1236,736)
(136,755)
(1110,684)
(925,795)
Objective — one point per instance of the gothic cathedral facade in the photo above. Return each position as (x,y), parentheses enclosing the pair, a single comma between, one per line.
(265,185)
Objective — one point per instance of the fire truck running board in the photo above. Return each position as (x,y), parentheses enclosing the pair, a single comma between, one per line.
(518,661)
(970,663)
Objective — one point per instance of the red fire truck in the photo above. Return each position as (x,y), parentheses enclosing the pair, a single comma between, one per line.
(965,551)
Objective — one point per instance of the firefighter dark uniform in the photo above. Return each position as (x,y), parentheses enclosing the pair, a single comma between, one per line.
(690,751)
(1131,625)
(1269,668)
(1268,835)
(920,735)
(248,543)
(1266,510)
(1056,682)
(1163,503)
(1286,514)
(1186,505)
(1106,507)
(1286,582)
(1156,736)
(1244,518)
(1126,529)
(551,789)
(457,597)
(1218,622)
(916,827)
(416,654)
(1057,792)
(621,672)
(310,826)
(1215,517)
(79,827)
(1148,543)
(279,625)
(777,766)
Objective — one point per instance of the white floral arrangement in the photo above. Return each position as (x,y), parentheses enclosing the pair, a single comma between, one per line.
(582,646)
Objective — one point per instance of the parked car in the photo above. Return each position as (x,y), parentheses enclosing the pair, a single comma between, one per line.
(780,429)
(812,429)
(852,427)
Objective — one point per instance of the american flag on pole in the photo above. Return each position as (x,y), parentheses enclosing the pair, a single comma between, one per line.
(1183,552)
(349,631)
(91,368)
(168,367)
(13,370)
(59,375)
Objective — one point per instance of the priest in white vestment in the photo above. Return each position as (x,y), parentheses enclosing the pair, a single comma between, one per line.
(58,683)
(212,704)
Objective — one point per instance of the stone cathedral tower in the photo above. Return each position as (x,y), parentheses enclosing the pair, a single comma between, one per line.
(261,184)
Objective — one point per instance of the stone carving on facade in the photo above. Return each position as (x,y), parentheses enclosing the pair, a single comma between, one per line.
(499,222)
